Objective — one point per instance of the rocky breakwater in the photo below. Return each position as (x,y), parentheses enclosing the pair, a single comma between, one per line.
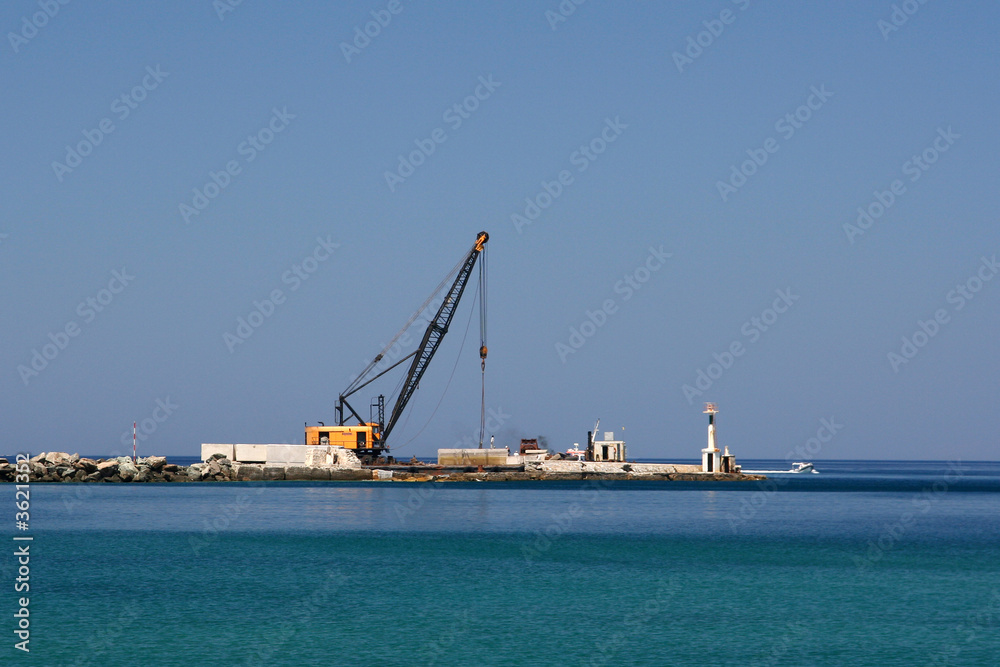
(63,467)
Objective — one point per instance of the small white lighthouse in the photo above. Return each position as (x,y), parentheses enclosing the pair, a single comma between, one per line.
(710,459)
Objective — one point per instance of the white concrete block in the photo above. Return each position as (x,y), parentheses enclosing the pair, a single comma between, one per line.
(251,453)
(286,454)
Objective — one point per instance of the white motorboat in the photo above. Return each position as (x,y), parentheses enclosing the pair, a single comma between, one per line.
(797,467)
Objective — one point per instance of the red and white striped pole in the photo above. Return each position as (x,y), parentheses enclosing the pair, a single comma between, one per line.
(133,443)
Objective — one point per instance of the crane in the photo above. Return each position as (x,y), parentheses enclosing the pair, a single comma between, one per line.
(369,438)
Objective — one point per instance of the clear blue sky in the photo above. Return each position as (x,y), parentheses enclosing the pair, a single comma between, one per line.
(663,123)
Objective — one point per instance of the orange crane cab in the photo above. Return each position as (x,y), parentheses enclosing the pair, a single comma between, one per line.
(364,438)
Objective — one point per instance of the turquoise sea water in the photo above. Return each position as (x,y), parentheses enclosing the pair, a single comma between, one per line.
(863,564)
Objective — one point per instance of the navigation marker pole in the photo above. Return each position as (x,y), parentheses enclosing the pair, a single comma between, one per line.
(133,443)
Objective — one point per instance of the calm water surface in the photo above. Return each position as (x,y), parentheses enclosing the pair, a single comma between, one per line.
(866,563)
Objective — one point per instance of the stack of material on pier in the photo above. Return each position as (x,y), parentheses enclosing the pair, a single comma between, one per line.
(472,457)
(328,455)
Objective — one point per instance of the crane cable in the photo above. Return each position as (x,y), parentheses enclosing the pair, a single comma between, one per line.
(446,387)
(481,297)
(413,318)
(482,343)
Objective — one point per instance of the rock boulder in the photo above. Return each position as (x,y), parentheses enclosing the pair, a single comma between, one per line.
(127,470)
(107,468)
(56,459)
(155,462)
